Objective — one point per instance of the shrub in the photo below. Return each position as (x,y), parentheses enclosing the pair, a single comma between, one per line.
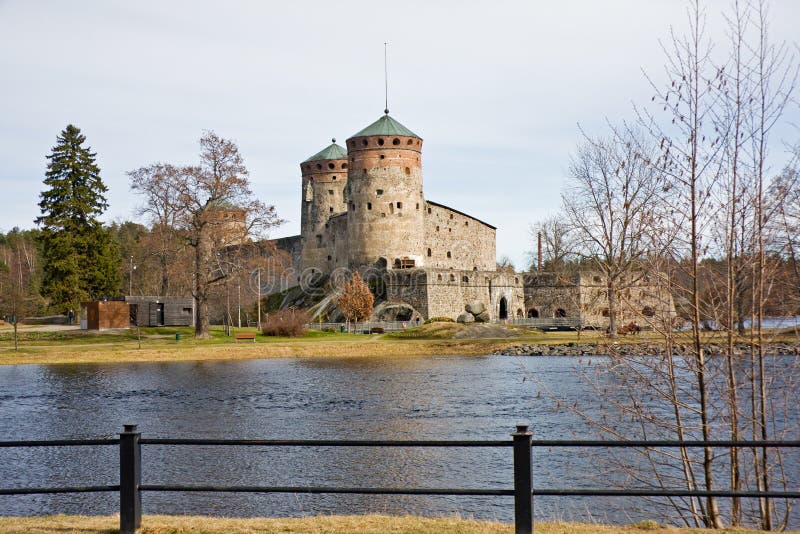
(286,323)
(329,329)
(439,320)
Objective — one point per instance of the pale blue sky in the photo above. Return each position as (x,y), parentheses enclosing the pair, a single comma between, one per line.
(496,89)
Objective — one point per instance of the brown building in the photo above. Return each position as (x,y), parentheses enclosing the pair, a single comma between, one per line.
(103,314)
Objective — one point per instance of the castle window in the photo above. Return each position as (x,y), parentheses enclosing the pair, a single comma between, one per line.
(329,258)
(417,205)
(319,166)
(391,207)
(533,313)
(380,142)
(429,253)
(344,165)
(399,205)
(465,279)
(452,278)
(596,279)
(474,268)
(466,223)
(516,280)
(561,312)
(379,192)
(383,215)
(331,166)
(330,191)
(429,211)
(395,141)
(451,215)
(408,170)
(647,311)
(605,312)
(365,170)
(330,209)
(449,255)
(439,277)
(369,205)
(383,156)
(450,230)
(334,178)
(364,142)
(410,142)
(437,228)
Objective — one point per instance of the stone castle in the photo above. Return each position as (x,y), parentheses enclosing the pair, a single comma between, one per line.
(363,208)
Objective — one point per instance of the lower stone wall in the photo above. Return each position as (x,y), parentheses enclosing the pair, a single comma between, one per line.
(642,301)
(445,292)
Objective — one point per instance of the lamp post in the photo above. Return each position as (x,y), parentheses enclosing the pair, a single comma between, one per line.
(130,278)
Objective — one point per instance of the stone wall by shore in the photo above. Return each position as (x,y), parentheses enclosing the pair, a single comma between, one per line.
(640,349)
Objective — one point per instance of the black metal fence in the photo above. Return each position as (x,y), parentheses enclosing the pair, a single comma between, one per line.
(130,485)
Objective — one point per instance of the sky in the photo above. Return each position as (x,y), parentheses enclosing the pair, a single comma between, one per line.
(499,90)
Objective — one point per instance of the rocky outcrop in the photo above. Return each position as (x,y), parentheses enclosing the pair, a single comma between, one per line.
(466,318)
(474,312)
(639,349)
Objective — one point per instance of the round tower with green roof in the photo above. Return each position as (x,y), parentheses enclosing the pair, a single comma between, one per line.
(324,180)
(385,203)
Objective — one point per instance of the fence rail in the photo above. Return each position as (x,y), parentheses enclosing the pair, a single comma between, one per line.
(130,485)
(547,323)
(365,327)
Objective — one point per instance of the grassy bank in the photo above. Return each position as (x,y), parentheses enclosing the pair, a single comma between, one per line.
(63,348)
(366,524)
(160,344)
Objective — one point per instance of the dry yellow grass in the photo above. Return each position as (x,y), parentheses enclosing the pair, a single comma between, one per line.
(363,524)
(127,352)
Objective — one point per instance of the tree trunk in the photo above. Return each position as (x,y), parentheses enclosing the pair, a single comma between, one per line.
(16,339)
(202,254)
(164,275)
(612,308)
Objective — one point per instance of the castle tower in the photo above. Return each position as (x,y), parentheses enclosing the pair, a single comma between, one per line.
(324,179)
(384,195)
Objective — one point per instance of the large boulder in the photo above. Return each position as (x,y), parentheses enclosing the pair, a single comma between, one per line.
(482,317)
(466,318)
(475,307)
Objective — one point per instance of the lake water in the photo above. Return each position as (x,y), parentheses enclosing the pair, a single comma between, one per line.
(394,398)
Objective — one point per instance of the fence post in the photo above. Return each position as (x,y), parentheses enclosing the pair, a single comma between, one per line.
(130,477)
(523,481)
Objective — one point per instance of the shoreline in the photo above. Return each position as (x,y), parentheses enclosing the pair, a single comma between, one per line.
(161,348)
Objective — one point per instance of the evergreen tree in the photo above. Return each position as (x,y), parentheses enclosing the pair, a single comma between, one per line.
(81,260)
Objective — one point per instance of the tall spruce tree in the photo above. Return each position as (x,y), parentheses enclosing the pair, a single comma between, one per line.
(81,260)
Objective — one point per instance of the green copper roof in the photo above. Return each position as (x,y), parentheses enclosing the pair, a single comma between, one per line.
(332,151)
(386,126)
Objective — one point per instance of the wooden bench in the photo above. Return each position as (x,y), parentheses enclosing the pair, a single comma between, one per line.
(245,335)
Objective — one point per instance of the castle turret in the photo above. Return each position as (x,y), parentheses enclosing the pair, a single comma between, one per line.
(385,202)
(324,179)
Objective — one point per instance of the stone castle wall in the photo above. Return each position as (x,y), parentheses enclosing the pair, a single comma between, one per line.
(323,187)
(454,240)
(444,292)
(385,202)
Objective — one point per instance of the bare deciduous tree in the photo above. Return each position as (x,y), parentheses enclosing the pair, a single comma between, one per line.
(212,207)
(609,202)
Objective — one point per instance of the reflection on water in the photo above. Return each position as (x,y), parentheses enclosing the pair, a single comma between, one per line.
(377,398)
